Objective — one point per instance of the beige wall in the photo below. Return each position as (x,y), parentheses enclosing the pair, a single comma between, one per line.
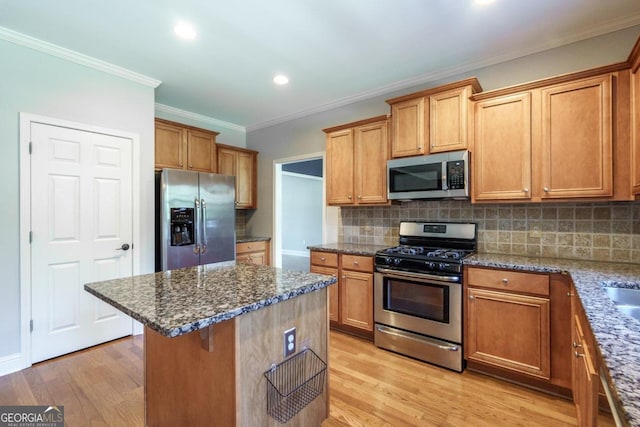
(304,136)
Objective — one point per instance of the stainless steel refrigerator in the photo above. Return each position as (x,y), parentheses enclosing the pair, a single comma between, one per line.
(196,219)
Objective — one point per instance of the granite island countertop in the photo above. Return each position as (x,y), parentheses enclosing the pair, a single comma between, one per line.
(617,335)
(180,301)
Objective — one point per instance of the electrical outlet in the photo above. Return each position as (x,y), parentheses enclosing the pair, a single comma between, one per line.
(289,342)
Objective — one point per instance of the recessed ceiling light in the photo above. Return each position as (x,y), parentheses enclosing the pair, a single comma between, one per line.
(281,79)
(185,31)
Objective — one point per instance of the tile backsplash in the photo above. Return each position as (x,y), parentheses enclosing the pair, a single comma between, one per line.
(592,231)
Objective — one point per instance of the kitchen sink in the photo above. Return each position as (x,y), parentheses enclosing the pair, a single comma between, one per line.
(626,300)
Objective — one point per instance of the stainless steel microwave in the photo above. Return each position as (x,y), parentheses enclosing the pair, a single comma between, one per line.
(434,176)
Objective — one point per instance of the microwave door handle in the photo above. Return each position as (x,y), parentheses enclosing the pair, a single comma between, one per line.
(445,187)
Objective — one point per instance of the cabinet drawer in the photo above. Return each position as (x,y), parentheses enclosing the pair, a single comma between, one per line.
(251,246)
(510,281)
(357,263)
(324,258)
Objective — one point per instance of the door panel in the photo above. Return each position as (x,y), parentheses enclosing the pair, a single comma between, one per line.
(81,214)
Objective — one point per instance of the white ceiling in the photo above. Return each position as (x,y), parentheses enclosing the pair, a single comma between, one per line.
(334,51)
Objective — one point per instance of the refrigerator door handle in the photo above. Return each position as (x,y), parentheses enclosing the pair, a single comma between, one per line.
(196,231)
(203,219)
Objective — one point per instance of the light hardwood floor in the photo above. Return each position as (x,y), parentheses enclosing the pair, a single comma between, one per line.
(103,386)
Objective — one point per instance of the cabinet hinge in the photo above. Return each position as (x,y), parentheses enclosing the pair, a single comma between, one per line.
(30,236)
(31,325)
(30,147)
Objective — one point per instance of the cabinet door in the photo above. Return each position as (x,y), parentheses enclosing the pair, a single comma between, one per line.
(586,379)
(356,300)
(448,120)
(340,167)
(371,155)
(408,137)
(201,151)
(502,154)
(334,308)
(577,139)
(226,162)
(170,146)
(509,331)
(635,141)
(246,180)
(242,165)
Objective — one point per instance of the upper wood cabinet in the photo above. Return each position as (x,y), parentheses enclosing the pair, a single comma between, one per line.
(180,146)
(408,136)
(357,155)
(434,120)
(577,148)
(502,156)
(242,164)
(555,139)
(634,60)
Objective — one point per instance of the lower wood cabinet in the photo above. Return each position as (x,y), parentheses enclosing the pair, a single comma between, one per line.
(517,325)
(586,381)
(257,252)
(351,299)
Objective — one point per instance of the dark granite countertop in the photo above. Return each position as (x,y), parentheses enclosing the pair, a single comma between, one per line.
(245,239)
(348,248)
(617,335)
(180,301)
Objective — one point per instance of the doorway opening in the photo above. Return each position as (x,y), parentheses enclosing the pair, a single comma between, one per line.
(300,216)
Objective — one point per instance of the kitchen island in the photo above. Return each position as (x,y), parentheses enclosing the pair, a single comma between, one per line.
(212,331)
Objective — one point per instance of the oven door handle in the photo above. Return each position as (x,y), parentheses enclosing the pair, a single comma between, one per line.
(422,340)
(420,276)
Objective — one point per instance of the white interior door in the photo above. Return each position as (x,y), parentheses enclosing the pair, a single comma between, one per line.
(81,216)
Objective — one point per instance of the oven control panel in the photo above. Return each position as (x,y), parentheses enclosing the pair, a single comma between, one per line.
(416,265)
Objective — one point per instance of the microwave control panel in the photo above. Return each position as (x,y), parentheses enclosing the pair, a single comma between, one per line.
(455,175)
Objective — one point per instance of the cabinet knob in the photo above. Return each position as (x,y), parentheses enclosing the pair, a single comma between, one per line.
(505,280)
(355,263)
(471,297)
(576,345)
(545,189)
(350,197)
(569,294)
(344,277)
(526,190)
(359,197)
(578,354)
(323,259)
(191,166)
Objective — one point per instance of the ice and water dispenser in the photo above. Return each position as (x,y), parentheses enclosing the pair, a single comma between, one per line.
(182,231)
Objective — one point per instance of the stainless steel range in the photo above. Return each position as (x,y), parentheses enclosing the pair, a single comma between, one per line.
(418,292)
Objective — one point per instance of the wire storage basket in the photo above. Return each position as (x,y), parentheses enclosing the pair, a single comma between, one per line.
(294,383)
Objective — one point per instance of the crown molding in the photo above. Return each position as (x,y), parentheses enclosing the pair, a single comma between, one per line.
(78,58)
(198,117)
(599,30)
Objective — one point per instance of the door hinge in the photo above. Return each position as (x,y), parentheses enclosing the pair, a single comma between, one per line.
(30,236)
(31,325)
(30,147)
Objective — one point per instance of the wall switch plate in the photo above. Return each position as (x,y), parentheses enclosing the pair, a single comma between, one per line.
(289,342)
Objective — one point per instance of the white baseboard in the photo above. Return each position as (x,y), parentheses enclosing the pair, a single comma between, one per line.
(295,253)
(11,363)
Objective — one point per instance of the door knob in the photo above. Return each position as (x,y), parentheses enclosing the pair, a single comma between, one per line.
(124,247)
